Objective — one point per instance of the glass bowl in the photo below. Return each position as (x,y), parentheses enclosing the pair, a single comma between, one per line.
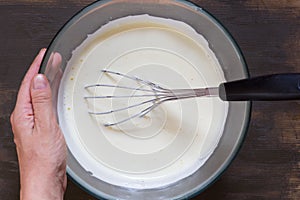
(90,19)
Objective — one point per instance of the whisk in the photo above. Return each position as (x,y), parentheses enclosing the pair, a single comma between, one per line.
(262,88)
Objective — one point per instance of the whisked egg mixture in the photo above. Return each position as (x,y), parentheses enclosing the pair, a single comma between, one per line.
(169,143)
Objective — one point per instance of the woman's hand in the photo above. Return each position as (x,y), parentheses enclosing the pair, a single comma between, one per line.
(40,144)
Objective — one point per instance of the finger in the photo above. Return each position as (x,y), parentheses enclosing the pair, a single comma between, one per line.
(53,66)
(23,98)
(54,76)
(41,102)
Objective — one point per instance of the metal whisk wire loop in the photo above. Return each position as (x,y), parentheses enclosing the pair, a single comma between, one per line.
(155,93)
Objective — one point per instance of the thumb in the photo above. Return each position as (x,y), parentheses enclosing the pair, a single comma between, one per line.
(41,101)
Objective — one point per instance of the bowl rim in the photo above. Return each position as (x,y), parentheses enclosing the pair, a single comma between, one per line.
(197,190)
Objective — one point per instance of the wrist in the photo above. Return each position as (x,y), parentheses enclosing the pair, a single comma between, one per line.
(40,185)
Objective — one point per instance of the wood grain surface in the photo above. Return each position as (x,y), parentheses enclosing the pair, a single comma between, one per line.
(268,33)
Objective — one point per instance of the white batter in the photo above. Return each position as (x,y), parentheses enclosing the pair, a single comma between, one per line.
(171,142)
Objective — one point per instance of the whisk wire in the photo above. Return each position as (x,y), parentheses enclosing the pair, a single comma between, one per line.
(159,93)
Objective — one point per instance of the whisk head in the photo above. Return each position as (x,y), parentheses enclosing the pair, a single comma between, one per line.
(150,95)
(147,95)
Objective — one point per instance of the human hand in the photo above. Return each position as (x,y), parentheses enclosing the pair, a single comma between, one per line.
(40,144)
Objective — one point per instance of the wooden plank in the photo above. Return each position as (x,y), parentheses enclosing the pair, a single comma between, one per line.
(268,33)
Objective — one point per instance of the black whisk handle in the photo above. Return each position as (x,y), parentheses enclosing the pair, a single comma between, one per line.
(263,88)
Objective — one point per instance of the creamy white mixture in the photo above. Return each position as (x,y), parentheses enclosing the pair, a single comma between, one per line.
(172,141)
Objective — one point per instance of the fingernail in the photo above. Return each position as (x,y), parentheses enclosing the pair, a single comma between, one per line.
(42,50)
(39,82)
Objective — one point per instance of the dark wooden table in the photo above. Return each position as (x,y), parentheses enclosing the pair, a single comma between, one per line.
(268,32)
